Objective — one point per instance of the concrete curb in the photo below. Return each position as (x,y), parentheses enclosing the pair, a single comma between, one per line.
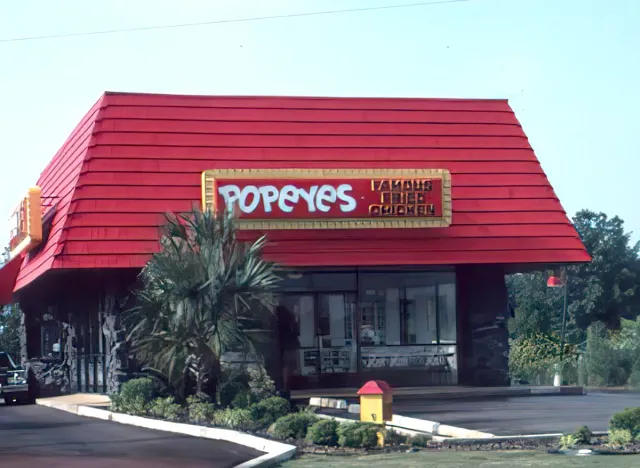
(494,439)
(275,452)
(435,428)
(466,393)
(414,426)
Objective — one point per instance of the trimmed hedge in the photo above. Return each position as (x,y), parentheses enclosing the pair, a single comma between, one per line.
(323,432)
(267,412)
(358,435)
(293,426)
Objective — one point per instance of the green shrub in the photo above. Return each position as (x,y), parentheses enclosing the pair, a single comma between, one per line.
(357,435)
(419,440)
(200,411)
(323,432)
(368,434)
(634,378)
(135,397)
(266,412)
(347,435)
(607,363)
(243,399)
(293,426)
(619,438)
(232,383)
(392,437)
(568,441)
(629,420)
(583,435)
(166,408)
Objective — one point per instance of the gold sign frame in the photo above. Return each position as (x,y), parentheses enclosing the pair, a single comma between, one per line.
(26,221)
(209,197)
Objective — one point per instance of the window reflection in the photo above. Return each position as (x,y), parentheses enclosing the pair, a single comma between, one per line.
(399,319)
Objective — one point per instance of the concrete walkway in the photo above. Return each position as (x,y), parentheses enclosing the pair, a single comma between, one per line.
(85,399)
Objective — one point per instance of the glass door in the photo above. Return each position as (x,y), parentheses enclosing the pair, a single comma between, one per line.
(317,333)
(337,341)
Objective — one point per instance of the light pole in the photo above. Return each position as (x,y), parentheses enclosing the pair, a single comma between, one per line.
(555,282)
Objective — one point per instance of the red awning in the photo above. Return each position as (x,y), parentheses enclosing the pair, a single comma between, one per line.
(8,274)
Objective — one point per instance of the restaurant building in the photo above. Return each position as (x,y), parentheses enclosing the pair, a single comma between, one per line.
(395,222)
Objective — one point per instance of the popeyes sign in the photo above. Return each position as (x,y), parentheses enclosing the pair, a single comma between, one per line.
(26,224)
(331,198)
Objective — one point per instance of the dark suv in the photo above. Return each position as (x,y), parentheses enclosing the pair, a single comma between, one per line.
(14,386)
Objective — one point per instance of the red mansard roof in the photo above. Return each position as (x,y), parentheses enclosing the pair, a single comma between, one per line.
(136,156)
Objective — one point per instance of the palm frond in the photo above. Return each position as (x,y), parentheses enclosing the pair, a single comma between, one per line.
(196,293)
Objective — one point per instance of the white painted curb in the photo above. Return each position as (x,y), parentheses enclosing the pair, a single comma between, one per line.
(435,428)
(275,452)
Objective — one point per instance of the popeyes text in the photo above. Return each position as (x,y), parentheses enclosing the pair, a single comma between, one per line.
(350,198)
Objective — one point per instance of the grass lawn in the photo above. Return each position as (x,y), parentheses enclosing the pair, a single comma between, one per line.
(465,460)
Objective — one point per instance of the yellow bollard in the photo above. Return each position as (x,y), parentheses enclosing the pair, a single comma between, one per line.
(376,402)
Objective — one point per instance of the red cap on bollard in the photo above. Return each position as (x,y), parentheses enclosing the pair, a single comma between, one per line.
(375,387)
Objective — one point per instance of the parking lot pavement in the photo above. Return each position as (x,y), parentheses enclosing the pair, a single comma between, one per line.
(523,415)
(32,436)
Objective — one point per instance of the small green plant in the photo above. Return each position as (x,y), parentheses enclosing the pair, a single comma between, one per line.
(135,397)
(166,408)
(293,426)
(419,440)
(266,412)
(583,436)
(357,435)
(619,438)
(629,420)
(568,441)
(323,432)
(236,418)
(200,411)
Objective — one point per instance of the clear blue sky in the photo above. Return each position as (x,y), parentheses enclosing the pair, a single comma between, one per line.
(570,69)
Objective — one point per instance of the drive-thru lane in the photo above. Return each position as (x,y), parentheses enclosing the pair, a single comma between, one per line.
(33,436)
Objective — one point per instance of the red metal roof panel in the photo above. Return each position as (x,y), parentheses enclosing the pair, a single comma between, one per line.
(137,156)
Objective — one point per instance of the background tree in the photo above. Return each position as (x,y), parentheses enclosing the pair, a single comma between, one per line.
(9,323)
(10,331)
(603,301)
(608,288)
(605,290)
(197,295)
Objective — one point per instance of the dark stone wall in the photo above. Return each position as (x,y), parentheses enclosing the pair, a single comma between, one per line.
(87,308)
(483,338)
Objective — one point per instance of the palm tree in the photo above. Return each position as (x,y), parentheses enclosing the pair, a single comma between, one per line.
(196,294)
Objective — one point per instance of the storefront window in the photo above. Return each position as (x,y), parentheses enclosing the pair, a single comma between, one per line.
(399,319)
(403,318)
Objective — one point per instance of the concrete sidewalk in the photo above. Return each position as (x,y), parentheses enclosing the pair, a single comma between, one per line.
(442,393)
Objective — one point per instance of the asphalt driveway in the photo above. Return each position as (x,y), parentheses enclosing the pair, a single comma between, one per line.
(33,436)
(523,415)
